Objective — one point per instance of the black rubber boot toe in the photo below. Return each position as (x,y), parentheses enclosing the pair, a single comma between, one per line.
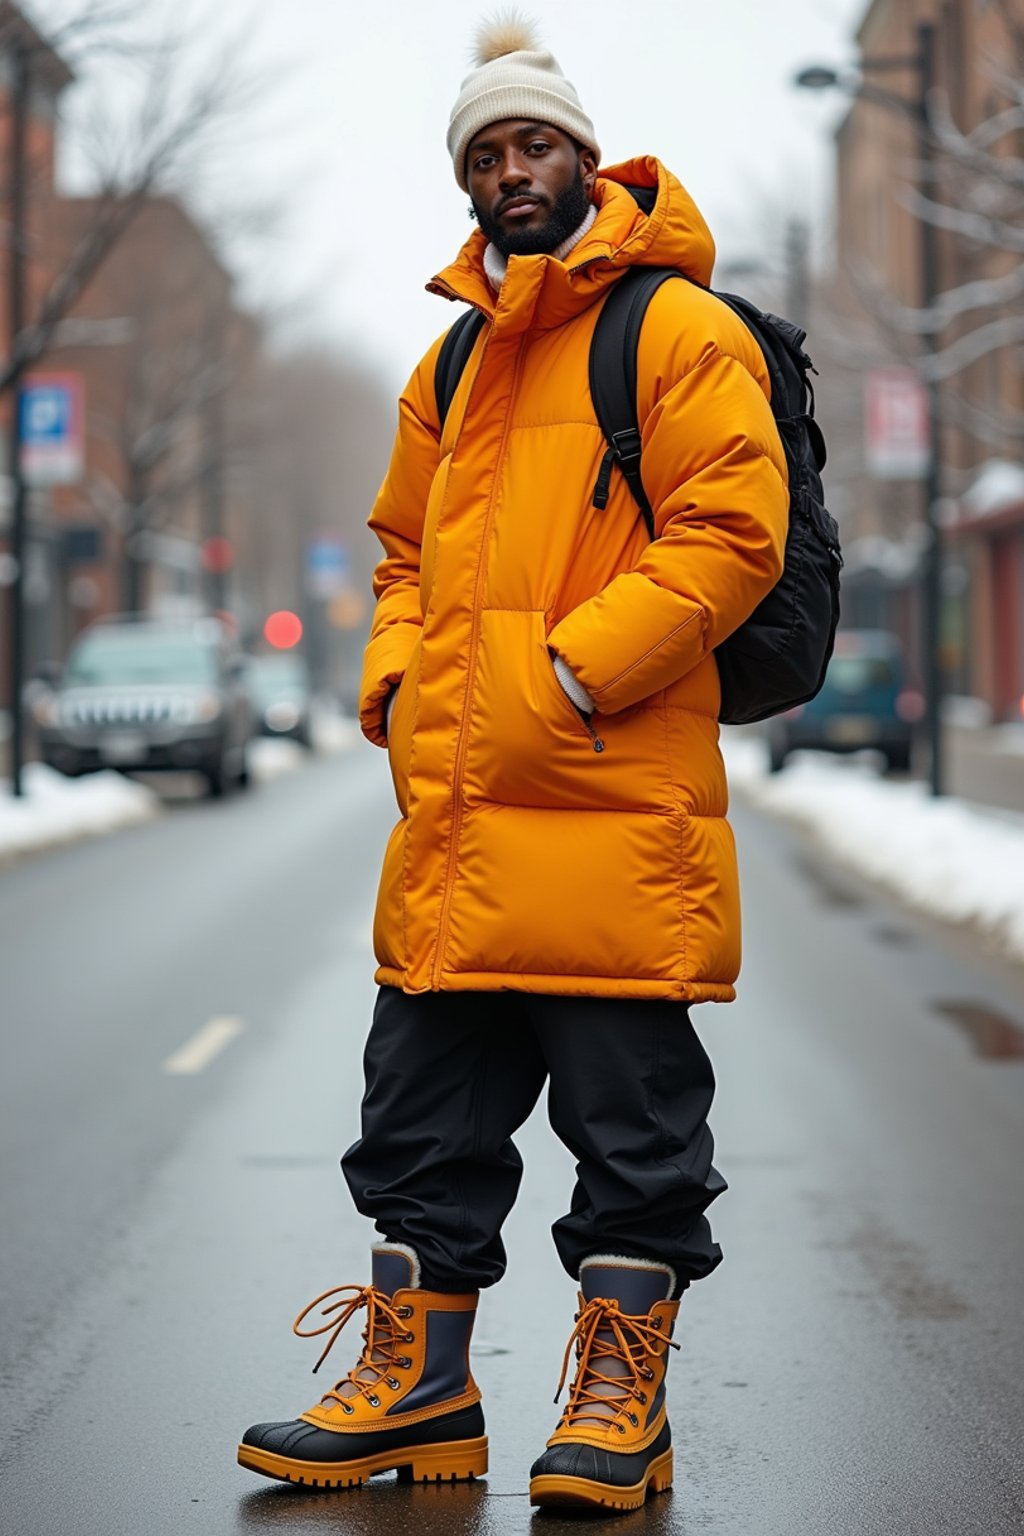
(293,1437)
(614,1469)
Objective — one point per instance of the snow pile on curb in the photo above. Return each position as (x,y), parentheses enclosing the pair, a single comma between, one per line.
(58,810)
(942,856)
(272,757)
(334,732)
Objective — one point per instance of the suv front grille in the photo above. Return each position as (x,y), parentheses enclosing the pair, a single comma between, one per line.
(126,711)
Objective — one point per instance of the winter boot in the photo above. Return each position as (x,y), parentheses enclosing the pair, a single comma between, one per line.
(408,1404)
(613,1444)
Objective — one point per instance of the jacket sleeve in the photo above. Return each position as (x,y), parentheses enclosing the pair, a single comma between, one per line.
(397,520)
(715,473)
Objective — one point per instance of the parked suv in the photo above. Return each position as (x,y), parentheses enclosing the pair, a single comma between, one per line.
(865,702)
(143,694)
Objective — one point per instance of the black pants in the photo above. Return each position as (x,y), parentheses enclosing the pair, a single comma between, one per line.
(451,1076)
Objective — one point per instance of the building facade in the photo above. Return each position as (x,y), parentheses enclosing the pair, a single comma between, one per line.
(167,366)
(978,330)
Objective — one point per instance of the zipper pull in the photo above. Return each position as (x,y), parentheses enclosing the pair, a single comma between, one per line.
(594,737)
(603,485)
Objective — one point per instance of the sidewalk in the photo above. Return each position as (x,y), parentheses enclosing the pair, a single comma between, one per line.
(985,764)
(961,862)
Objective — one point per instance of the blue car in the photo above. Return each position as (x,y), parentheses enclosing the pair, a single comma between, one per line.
(865,702)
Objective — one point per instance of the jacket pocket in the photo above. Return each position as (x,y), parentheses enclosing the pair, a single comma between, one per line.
(530,745)
(400,732)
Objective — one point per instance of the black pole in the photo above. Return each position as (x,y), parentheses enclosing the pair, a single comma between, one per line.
(16,479)
(797,282)
(213,476)
(932,582)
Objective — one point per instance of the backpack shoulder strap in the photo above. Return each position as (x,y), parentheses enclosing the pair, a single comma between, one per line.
(613,371)
(453,357)
(789,369)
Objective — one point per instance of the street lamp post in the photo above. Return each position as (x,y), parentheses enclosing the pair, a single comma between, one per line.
(922,65)
(20,87)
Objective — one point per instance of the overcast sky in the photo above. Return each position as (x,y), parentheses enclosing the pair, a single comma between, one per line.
(354,130)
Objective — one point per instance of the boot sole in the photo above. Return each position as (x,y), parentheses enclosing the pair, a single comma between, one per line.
(552,1489)
(455,1462)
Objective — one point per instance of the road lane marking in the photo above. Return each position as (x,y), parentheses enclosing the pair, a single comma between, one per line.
(204,1045)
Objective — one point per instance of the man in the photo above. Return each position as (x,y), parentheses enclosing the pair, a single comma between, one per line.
(561,884)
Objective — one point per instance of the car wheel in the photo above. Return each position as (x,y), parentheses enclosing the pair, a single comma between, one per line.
(898,759)
(217,779)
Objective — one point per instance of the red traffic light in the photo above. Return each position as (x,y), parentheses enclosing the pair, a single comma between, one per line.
(283,630)
(217,555)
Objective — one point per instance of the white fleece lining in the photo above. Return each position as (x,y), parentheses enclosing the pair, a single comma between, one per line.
(620,1261)
(496,265)
(406,1252)
(571,685)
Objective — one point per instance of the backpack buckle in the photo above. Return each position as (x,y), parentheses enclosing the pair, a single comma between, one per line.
(627,447)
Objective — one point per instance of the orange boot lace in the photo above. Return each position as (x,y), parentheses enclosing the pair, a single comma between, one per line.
(606,1336)
(385,1330)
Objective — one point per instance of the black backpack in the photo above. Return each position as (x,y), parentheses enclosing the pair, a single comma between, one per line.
(777,658)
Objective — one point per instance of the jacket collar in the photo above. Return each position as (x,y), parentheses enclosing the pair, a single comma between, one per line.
(496,265)
(540,292)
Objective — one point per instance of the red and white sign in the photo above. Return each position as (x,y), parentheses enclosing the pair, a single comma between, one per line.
(896,426)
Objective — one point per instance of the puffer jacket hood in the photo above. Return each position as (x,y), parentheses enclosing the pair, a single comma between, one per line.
(537,850)
(674,234)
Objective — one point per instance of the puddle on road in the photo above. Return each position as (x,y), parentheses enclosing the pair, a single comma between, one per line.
(894,936)
(447,1509)
(828,883)
(900,1269)
(994,1035)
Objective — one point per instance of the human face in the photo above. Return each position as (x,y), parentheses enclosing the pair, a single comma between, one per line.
(530,185)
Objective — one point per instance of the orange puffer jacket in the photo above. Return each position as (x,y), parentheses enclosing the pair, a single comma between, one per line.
(524,858)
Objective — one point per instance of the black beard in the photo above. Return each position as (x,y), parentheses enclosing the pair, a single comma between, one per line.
(567,214)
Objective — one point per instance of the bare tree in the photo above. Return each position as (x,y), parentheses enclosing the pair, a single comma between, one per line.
(175,369)
(179,111)
(974,194)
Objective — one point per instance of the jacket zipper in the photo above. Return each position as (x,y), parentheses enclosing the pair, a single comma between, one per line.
(474,641)
(585,720)
(595,740)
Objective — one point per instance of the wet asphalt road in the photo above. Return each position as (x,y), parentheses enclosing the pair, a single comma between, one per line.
(857,1365)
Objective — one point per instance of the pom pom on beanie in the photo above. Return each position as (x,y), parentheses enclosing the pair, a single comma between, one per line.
(513,76)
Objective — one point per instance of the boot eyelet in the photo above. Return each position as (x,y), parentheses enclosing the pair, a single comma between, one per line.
(409,1338)
(347,1409)
(621,1428)
(404,1364)
(393,1383)
(647,1374)
(405,1311)
(374,1402)
(641,1398)
(633,1420)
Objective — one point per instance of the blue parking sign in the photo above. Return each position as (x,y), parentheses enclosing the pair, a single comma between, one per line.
(327,566)
(51,421)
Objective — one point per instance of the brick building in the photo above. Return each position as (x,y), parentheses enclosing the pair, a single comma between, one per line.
(170,370)
(982,428)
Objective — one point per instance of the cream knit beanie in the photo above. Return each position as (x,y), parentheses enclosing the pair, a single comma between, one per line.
(514,77)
